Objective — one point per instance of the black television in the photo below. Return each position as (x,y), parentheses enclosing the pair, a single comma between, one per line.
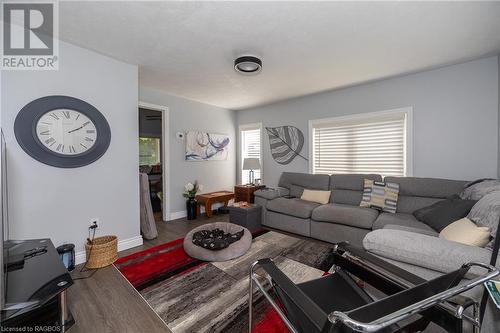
(4,227)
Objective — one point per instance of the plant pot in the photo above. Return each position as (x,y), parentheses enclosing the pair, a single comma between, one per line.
(191,208)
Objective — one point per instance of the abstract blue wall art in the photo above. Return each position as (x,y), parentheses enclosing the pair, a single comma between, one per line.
(203,146)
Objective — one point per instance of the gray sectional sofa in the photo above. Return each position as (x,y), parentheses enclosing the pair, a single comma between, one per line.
(397,238)
(342,219)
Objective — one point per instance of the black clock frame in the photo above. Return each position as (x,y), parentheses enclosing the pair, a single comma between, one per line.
(25,131)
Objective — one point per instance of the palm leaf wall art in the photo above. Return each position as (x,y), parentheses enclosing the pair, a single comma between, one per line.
(286,142)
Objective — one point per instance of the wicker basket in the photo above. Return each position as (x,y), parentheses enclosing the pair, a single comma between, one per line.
(102,252)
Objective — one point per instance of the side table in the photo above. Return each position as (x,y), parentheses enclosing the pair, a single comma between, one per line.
(245,192)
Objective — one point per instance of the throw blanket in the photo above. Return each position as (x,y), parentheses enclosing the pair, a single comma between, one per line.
(486,212)
(479,188)
(215,239)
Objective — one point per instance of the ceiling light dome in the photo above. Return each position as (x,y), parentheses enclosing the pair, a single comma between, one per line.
(248,65)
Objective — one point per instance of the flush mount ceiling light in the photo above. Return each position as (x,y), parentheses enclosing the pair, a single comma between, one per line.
(248,65)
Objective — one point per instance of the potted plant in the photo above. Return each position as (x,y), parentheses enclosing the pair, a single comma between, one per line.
(190,190)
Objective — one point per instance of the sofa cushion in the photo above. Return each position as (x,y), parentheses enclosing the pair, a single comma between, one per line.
(445,212)
(345,214)
(346,197)
(294,207)
(355,182)
(427,187)
(304,180)
(271,193)
(411,229)
(411,204)
(348,188)
(336,233)
(296,190)
(288,223)
(399,219)
(416,193)
(425,251)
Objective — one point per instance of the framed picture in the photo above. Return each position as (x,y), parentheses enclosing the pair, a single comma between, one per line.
(203,146)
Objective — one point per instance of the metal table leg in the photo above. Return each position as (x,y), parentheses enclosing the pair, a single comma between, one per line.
(66,320)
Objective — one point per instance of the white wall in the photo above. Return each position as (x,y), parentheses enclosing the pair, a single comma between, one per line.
(190,115)
(498,84)
(455,117)
(45,201)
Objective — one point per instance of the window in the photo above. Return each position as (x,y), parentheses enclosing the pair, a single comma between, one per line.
(368,143)
(149,151)
(251,147)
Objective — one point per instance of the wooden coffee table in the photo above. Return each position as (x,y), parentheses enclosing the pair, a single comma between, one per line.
(208,199)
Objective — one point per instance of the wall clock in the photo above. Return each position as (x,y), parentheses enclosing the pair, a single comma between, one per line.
(62,131)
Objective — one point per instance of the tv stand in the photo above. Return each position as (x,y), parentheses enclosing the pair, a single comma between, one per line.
(36,286)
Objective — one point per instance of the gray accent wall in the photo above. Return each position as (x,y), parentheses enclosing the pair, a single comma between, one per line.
(49,202)
(455,118)
(187,115)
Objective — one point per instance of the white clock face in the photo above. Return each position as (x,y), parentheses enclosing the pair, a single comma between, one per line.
(66,132)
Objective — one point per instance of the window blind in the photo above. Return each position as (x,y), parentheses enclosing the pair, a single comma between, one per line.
(250,148)
(371,145)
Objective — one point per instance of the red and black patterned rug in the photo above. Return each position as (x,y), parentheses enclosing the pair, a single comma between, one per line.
(196,296)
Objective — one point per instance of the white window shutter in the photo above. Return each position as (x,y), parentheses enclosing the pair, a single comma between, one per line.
(250,148)
(361,146)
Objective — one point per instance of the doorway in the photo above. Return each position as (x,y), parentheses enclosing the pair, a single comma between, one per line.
(153,156)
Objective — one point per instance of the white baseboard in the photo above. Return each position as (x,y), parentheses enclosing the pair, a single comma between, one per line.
(129,243)
(182,214)
(80,257)
(177,215)
(123,244)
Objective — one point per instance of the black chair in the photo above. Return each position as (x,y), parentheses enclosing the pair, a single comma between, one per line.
(336,303)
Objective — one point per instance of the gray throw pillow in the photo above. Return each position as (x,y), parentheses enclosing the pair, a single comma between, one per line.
(486,213)
(439,215)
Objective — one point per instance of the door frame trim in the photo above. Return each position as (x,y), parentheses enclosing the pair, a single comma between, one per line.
(165,159)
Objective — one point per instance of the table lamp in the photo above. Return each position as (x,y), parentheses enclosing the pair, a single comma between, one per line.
(251,164)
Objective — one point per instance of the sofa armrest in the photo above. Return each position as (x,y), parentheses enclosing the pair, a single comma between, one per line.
(430,252)
(411,229)
(272,193)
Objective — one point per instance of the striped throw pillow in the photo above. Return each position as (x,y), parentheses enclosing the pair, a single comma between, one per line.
(380,195)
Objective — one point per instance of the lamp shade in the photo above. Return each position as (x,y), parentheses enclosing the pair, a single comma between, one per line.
(251,164)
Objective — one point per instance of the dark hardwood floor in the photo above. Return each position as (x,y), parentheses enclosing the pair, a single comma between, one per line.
(106,302)
(169,231)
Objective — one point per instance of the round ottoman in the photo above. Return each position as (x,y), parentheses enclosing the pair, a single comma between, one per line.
(234,250)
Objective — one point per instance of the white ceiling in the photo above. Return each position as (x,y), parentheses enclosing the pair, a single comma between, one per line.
(187,48)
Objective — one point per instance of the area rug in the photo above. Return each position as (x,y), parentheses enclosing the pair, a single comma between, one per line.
(195,296)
